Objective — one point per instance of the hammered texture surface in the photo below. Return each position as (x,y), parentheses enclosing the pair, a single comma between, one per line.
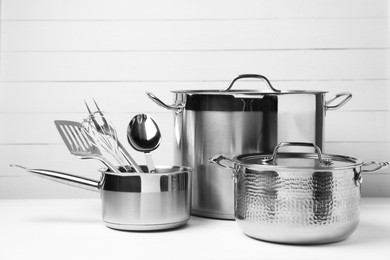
(297,198)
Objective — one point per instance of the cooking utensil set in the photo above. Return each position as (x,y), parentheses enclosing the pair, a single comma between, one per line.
(97,134)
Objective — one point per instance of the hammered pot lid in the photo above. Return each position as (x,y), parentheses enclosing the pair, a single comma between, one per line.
(298,160)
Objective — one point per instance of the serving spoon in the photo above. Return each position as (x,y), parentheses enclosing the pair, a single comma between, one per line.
(144,135)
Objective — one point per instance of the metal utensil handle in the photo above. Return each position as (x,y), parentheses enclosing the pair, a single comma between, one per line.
(257,76)
(377,168)
(177,108)
(217,160)
(107,163)
(150,163)
(128,158)
(285,144)
(347,96)
(99,157)
(65,178)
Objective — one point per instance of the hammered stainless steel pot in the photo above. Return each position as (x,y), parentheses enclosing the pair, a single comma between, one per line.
(297,198)
(137,201)
(231,122)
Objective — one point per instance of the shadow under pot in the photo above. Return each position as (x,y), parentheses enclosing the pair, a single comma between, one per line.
(297,197)
(137,201)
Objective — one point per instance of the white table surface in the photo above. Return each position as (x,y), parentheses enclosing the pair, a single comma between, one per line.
(73,229)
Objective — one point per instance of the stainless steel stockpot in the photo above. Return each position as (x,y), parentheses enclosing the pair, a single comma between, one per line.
(297,198)
(137,201)
(231,122)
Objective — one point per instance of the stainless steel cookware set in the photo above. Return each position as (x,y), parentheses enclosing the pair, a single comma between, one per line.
(227,145)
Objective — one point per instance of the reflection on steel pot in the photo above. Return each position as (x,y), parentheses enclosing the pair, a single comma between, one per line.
(231,122)
(297,198)
(137,201)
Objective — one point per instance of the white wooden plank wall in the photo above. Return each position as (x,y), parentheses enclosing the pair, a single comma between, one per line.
(56,53)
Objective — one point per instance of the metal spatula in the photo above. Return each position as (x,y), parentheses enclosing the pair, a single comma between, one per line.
(79,143)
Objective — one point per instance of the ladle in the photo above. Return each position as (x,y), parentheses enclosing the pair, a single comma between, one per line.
(144,135)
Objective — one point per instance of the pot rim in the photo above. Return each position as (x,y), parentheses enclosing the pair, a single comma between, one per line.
(162,170)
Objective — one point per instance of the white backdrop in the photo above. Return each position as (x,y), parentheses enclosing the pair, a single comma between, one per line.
(55,54)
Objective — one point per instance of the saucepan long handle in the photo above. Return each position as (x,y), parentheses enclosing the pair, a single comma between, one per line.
(65,178)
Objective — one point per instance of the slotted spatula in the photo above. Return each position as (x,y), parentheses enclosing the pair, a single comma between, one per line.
(79,143)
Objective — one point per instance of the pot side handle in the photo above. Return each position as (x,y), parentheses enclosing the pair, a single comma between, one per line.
(219,158)
(347,96)
(65,178)
(176,108)
(378,167)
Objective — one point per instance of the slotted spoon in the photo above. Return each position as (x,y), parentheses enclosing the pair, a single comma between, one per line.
(79,143)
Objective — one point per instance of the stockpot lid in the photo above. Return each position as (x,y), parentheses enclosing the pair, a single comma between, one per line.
(245,93)
(298,160)
(237,100)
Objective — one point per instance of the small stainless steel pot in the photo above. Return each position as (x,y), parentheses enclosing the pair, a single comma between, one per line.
(231,122)
(297,198)
(137,201)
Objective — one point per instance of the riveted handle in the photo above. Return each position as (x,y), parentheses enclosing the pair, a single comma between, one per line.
(177,108)
(219,158)
(257,76)
(378,166)
(346,96)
